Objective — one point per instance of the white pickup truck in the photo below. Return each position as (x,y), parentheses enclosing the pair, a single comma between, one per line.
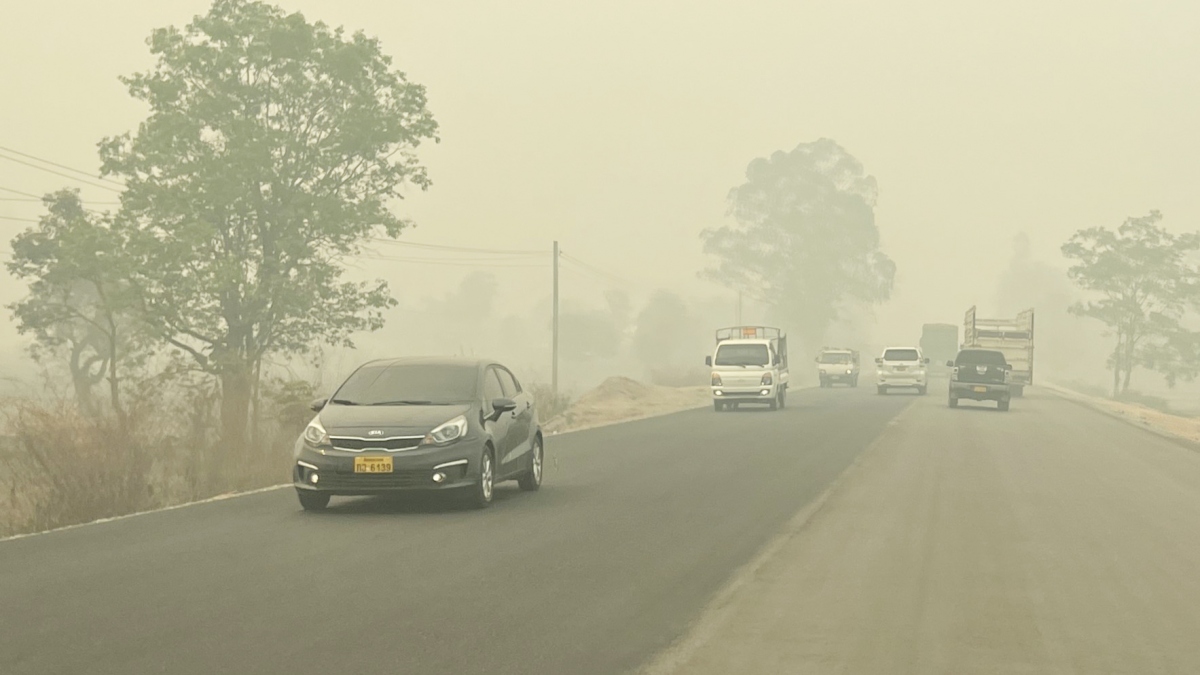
(837,364)
(749,365)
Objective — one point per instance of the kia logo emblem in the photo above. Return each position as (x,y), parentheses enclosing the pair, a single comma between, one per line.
(375,432)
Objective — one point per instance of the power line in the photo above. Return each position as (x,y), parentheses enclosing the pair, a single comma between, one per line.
(597,271)
(21,220)
(450,263)
(459,249)
(18,192)
(59,173)
(30,200)
(61,166)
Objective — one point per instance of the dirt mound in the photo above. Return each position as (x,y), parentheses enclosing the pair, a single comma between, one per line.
(620,399)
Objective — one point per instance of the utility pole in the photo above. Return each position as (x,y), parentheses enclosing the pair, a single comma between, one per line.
(554,323)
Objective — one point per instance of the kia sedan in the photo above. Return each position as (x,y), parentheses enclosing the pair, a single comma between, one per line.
(404,425)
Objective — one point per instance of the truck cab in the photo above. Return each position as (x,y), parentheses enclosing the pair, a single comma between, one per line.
(749,365)
(835,364)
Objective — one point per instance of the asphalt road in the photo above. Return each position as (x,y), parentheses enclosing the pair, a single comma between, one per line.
(1051,539)
(635,530)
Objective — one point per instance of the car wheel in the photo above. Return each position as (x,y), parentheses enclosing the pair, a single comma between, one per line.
(1002,405)
(783,398)
(718,406)
(312,501)
(532,480)
(854,383)
(953,402)
(881,390)
(921,390)
(483,491)
(774,404)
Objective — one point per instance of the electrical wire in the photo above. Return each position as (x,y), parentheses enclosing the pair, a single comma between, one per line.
(59,173)
(61,166)
(459,249)
(20,220)
(19,192)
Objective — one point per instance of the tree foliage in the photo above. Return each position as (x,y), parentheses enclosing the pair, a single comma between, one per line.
(271,150)
(1144,279)
(804,238)
(80,300)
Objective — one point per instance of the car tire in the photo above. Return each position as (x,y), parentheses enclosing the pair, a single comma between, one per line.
(953,402)
(881,390)
(312,501)
(719,406)
(1002,406)
(854,383)
(484,491)
(774,403)
(782,399)
(922,390)
(531,480)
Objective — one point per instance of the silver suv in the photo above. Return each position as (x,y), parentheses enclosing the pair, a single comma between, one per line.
(902,368)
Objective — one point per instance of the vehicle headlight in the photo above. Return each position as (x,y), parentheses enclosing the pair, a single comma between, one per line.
(716,380)
(315,434)
(767,379)
(448,432)
(848,371)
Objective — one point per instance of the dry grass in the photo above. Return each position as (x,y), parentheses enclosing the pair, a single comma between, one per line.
(59,467)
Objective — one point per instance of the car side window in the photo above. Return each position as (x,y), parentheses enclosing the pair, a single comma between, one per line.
(492,389)
(509,382)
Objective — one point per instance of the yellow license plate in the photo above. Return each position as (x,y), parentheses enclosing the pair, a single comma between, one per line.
(372,465)
(981,390)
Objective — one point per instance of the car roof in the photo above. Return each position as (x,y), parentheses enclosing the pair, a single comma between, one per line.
(888,349)
(431,361)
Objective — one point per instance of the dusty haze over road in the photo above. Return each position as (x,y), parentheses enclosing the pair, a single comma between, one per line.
(619,128)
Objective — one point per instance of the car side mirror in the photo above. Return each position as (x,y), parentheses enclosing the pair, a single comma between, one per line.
(817,360)
(879,361)
(317,405)
(708,361)
(950,364)
(925,360)
(501,406)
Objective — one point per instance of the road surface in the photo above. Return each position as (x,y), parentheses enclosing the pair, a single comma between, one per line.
(1051,539)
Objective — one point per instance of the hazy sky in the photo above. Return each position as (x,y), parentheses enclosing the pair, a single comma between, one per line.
(619,127)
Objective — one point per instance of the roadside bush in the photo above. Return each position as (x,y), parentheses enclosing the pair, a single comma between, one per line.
(548,404)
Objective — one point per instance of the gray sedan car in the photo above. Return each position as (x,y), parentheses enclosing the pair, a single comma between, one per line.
(404,425)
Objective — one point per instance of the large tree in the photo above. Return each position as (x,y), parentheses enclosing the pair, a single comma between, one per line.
(1144,279)
(804,238)
(80,303)
(271,150)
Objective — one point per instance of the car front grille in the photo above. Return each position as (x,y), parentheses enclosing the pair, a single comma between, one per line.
(408,478)
(357,444)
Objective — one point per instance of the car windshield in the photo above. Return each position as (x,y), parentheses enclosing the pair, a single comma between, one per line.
(415,384)
(742,355)
(980,357)
(835,358)
(901,355)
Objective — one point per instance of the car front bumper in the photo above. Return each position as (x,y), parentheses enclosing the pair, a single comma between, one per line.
(977,391)
(838,375)
(412,470)
(763,393)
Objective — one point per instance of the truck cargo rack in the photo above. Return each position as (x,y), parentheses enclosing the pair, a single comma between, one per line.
(749,333)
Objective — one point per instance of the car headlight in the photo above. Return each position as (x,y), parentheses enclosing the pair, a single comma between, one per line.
(848,371)
(767,379)
(448,432)
(716,380)
(315,434)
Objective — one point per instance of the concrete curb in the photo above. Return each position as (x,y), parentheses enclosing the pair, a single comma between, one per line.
(1092,403)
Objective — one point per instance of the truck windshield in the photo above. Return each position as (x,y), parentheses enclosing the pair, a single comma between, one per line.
(835,358)
(900,355)
(742,355)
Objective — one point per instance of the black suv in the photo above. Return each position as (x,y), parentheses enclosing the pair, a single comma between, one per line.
(980,375)
(420,424)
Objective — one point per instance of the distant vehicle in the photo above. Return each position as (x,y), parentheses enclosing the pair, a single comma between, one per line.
(837,364)
(1011,337)
(980,375)
(902,368)
(750,365)
(939,343)
(403,425)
